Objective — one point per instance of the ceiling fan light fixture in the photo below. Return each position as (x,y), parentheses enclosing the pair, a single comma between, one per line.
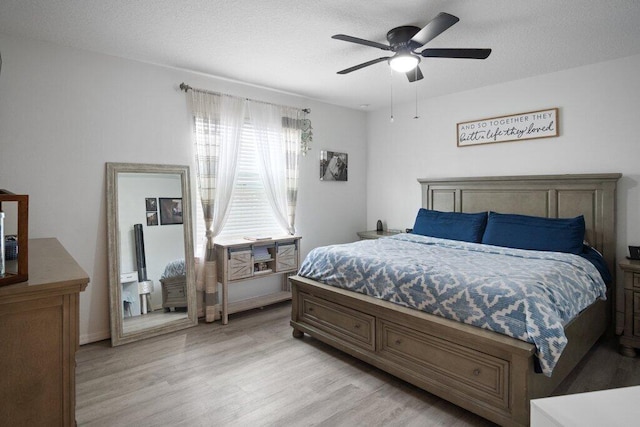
(403,42)
(404,63)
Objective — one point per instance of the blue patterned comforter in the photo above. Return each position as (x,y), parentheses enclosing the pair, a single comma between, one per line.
(528,295)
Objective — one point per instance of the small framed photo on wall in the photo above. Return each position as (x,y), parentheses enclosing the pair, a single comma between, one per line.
(333,166)
(170,211)
(151,204)
(152,218)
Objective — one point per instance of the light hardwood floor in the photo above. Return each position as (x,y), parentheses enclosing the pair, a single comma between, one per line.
(252,372)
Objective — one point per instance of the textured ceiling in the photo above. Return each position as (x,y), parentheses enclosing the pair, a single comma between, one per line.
(286,44)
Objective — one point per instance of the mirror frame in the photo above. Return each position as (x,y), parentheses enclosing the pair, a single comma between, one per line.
(118,336)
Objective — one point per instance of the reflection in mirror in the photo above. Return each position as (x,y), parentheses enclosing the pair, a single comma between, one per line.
(9,233)
(151,265)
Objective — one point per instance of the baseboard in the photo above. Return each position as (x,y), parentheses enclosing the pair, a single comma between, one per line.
(96,336)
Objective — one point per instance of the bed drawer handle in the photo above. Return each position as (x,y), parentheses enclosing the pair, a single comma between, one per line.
(476,372)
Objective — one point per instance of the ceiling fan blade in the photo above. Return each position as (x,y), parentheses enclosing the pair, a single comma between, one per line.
(351,39)
(364,64)
(414,75)
(456,53)
(434,28)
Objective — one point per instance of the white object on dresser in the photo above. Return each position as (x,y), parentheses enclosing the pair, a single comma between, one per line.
(130,285)
(614,407)
(132,305)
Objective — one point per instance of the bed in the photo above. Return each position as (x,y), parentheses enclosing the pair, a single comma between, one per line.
(488,373)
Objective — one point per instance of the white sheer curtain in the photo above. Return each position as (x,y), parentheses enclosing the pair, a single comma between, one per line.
(266,121)
(218,126)
(218,121)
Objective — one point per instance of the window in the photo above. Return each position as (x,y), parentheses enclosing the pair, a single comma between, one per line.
(250,213)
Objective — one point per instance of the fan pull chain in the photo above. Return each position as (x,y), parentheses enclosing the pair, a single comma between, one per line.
(391,85)
(416,85)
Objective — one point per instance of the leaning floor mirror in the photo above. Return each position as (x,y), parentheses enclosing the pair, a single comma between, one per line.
(150,250)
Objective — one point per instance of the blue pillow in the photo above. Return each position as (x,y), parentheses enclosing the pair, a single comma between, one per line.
(535,233)
(467,227)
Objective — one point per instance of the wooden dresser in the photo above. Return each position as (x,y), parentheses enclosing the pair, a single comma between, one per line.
(39,337)
(630,337)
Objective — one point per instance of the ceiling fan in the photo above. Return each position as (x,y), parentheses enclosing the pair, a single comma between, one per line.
(404,41)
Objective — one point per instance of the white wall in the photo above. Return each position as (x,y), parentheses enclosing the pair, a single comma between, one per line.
(65,112)
(599,112)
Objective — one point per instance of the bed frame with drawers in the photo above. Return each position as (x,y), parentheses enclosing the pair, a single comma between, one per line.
(487,373)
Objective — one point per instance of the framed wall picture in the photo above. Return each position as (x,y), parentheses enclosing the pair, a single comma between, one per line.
(152,218)
(151,204)
(170,211)
(333,166)
(514,127)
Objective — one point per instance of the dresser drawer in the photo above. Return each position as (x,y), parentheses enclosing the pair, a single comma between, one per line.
(339,321)
(240,264)
(636,280)
(176,292)
(636,314)
(636,325)
(471,373)
(129,277)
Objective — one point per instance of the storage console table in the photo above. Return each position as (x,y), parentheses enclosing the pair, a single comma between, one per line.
(239,259)
(39,333)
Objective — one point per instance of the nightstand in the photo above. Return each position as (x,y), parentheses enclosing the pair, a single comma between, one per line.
(373,234)
(630,337)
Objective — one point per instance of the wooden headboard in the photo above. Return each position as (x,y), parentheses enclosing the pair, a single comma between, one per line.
(551,196)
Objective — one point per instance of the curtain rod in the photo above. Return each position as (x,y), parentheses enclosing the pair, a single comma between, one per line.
(185,87)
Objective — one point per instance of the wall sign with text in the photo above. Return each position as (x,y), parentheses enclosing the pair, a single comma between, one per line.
(515,127)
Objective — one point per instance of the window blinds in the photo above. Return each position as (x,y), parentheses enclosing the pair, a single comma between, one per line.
(250,213)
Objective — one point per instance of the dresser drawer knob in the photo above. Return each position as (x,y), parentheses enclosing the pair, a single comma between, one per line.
(398,341)
(310,309)
(357,326)
(476,372)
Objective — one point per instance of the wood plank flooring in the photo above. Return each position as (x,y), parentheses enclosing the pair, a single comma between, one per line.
(251,372)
